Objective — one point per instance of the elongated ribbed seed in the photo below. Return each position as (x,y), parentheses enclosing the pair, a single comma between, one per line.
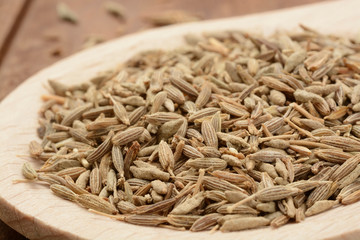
(351,198)
(97,203)
(95,181)
(209,134)
(118,160)
(28,171)
(63,192)
(75,114)
(319,207)
(214,163)
(124,137)
(277,193)
(188,204)
(205,222)
(166,157)
(244,223)
(35,149)
(101,150)
(130,157)
(345,168)
(120,112)
(241,209)
(69,182)
(73,172)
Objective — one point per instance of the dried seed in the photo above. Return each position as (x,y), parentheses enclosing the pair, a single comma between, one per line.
(159,100)
(320,193)
(125,207)
(351,177)
(111,180)
(276,193)
(95,181)
(204,95)
(159,186)
(209,134)
(118,160)
(182,220)
(97,203)
(101,150)
(188,205)
(235,196)
(75,114)
(135,115)
(351,198)
(127,136)
(180,83)
(81,135)
(120,112)
(65,13)
(73,172)
(145,220)
(243,223)
(345,168)
(174,94)
(166,157)
(115,9)
(269,207)
(232,139)
(192,152)
(156,207)
(267,155)
(51,178)
(213,163)
(332,155)
(149,173)
(69,182)
(35,149)
(203,113)
(240,209)
(279,221)
(319,207)
(276,84)
(169,129)
(129,158)
(234,110)
(215,195)
(28,171)
(277,98)
(205,222)
(171,17)
(63,192)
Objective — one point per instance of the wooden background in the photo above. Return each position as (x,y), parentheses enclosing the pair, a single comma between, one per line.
(32,36)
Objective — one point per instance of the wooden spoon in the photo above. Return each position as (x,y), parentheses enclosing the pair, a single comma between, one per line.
(35,212)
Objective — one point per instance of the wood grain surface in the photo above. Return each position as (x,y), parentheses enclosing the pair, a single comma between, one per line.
(35,212)
(31,47)
(11,14)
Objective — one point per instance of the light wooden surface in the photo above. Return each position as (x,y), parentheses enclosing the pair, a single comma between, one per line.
(35,212)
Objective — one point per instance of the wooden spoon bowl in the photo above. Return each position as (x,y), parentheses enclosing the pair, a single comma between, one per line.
(34,211)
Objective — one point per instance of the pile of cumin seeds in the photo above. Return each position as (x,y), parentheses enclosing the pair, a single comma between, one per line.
(232,131)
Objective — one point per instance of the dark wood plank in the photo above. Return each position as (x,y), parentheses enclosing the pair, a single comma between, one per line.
(10,17)
(7,233)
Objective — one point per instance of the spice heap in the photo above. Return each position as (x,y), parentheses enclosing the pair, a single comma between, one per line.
(232,131)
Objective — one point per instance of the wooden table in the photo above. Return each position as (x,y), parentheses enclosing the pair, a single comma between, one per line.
(32,36)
